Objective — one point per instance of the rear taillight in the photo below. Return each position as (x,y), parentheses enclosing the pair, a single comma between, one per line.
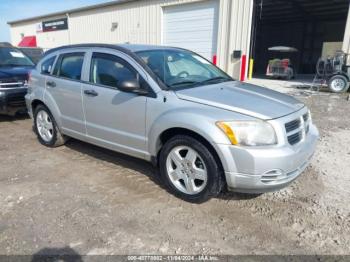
(285,63)
(29,76)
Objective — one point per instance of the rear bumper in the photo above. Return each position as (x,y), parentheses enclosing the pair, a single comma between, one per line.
(268,169)
(12,101)
(277,74)
(28,101)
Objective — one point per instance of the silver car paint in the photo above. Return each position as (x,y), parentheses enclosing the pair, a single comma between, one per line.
(133,124)
(233,96)
(67,97)
(122,127)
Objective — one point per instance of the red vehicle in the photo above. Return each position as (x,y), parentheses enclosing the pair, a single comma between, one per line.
(281,68)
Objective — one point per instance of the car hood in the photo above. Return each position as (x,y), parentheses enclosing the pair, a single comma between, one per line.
(14,72)
(243,98)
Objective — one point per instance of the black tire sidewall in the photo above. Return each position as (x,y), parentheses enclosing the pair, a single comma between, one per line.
(214,182)
(343,78)
(52,142)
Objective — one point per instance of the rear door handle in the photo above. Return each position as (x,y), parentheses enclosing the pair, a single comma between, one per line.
(51,83)
(90,92)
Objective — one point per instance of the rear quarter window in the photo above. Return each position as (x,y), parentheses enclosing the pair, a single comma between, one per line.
(47,65)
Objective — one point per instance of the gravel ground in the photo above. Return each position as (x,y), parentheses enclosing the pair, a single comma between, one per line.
(93,201)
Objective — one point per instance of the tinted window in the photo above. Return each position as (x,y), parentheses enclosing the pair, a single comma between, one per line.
(70,66)
(110,70)
(13,57)
(47,65)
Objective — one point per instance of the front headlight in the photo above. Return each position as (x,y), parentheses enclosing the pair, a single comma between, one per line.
(249,133)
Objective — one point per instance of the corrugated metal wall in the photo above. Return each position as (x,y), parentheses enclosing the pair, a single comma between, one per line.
(141,22)
(45,40)
(346,41)
(234,33)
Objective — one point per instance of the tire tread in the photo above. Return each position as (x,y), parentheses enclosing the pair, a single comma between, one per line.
(216,181)
(58,138)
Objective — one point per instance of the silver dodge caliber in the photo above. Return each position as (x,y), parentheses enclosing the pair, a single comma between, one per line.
(204,130)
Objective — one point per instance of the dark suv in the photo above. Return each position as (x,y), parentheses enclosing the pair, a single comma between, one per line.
(14,72)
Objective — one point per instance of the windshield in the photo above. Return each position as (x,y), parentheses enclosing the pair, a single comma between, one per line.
(13,57)
(182,69)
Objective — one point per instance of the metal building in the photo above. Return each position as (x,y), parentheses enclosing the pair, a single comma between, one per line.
(213,28)
(227,32)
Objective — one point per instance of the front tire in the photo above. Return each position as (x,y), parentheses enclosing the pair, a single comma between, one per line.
(46,128)
(190,170)
(338,84)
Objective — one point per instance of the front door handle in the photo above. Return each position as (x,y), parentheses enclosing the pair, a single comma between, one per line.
(90,92)
(51,83)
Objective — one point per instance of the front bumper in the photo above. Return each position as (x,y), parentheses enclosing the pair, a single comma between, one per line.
(260,170)
(12,101)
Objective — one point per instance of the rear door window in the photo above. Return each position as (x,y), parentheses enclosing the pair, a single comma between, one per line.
(70,66)
(47,65)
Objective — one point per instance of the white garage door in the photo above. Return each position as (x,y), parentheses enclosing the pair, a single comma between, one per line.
(192,26)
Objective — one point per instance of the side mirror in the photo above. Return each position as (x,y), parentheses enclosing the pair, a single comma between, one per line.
(132,86)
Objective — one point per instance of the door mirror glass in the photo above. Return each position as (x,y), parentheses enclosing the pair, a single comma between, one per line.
(131,86)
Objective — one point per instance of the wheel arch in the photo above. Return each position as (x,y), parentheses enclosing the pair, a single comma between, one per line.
(339,74)
(53,110)
(35,103)
(167,134)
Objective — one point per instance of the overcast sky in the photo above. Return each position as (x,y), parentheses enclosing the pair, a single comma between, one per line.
(17,9)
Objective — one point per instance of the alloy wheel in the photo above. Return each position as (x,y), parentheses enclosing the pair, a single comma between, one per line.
(338,84)
(186,170)
(44,125)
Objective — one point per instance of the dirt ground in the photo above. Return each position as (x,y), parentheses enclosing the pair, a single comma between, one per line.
(93,201)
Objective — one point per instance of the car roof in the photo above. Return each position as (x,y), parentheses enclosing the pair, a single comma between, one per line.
(5,44)
(127,48)
(137,48)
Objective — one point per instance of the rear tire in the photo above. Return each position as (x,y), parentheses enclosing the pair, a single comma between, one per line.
(190,170)
(338,84)
(46,128)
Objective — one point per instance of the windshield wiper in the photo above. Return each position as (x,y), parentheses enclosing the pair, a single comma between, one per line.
(187,82)
(215,79)
(196,83)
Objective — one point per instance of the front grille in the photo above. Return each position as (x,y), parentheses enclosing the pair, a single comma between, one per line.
(295,138)
(12,82)
(297,129)
(295,124)
(272,176)
(16,101)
